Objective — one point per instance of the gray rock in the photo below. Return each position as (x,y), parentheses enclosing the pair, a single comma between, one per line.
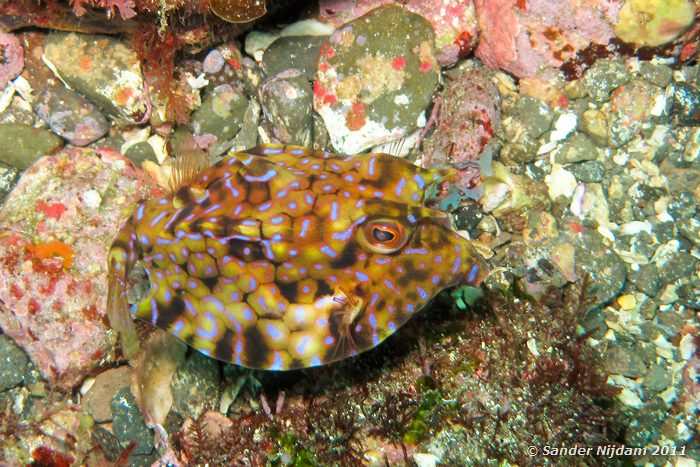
(287,104)
(111,78)
(660,74)
(623,361)
(685,104)
(535,115)
(107,441)
(672,320)
(14,364)
(587,171)
(605,270)
(603,77)
(646,279)
(195,386)
(293,52)
(657,378)
(680,266)
(576,148)
(221,116)
(71,116)
(128,423)
(18,115)
(8,179)
(21,145)
(141,152)
(644,426)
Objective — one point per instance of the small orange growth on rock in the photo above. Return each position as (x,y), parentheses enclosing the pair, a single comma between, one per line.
(51,249)
(355,118)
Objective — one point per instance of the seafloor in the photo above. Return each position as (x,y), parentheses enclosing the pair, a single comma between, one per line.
(574,133)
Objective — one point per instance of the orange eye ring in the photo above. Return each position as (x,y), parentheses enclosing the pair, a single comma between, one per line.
(383,235)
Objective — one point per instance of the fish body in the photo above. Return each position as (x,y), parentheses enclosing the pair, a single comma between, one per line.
(281,257)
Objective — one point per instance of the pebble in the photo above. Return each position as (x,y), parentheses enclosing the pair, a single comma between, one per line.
(587,171)
(71,116)
(576,148)
(376,76)
(627,302)
(603,77)
(195,386)
(286,101)
(293,52)
(220,116)
(128,424)
(97,400)
(534,114)
(685,103)
(22,145)
(14,364)
(114,83)
(623,361)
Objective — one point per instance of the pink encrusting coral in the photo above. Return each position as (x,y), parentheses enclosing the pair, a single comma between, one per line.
(53,283)
(11,58)
(536,37)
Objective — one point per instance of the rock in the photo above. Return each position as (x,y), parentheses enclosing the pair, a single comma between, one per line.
(111,78)
(21,145)
(536,38)
(654,22)
(681,265)
(13,364)
(656,73)
(8,178)
(12,58)
(646,279)
(604,77)
(576,148)
(690,229)
(107,442)
(535,115)
(454,21)
(287,102)
(594,123)
(220,117)
(141,152)
(605,270)
(376,76)
(97,400)
(53,279)
(623,361)
(293,52)
(587,171)
(685,104)
(631,105)
(467,120)
(71,116)
(128,423)
(195,386)
(672,320)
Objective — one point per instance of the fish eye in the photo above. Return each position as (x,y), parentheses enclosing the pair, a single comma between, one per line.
(383,235)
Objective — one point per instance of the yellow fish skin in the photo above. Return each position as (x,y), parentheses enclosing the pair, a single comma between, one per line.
(281,257)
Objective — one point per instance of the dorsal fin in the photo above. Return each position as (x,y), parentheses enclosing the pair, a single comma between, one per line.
(190,160)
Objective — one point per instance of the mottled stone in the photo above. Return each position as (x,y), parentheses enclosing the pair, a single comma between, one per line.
(657,378)
(286,101)
(681,265)
(293,52)
(376,76)
(195,386)
(645,278)
(111,78)
(220,117)
(60,221)
(658,74)
(71,116)
(8,178)
(107,441)
(576,148)
(141,152)
(13,364)
(603,77)
(593,123)
(623,361)
(587,171)
(686,104)
(21,145)
(97,400)
(534,114)
(690,229)
(128,424)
